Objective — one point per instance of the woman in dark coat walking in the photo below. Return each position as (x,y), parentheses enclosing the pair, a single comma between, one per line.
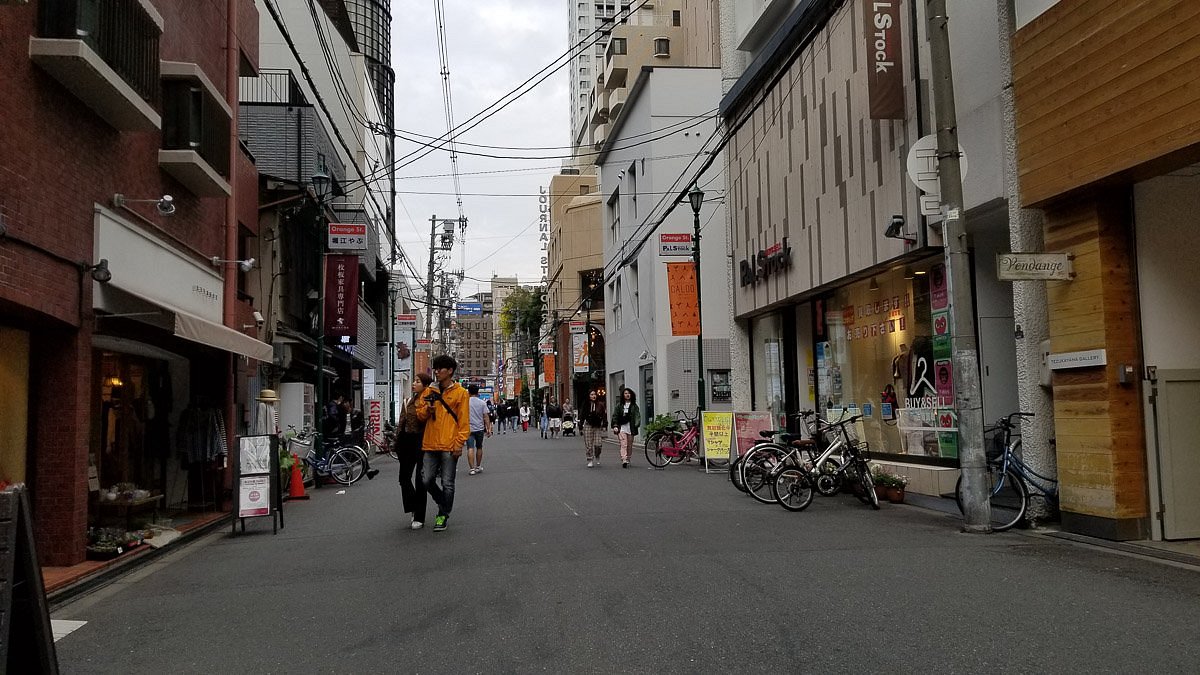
(409,432)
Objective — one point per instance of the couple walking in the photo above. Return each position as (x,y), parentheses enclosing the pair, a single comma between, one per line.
(437,421)
(626,418)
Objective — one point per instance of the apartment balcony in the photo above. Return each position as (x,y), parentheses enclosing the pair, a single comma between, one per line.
(600,135)
(616,101)
(616,63)
(105,52)
(599,110)
(196,128)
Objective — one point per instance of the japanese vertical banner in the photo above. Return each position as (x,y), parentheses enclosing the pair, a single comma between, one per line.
(341,299)
(885,76)
(548,368)
(681,291)
(579,352)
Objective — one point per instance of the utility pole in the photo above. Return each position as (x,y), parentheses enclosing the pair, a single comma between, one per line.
(429,285)
(696,197)
(967,395)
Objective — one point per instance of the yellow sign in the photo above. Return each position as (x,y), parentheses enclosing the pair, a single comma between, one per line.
(718,434)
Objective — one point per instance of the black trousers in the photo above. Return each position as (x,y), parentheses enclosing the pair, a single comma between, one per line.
(412,488)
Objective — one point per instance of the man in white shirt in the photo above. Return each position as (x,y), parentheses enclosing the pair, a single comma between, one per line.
(481,425)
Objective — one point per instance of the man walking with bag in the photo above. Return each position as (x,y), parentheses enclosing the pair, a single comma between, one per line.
(445,410)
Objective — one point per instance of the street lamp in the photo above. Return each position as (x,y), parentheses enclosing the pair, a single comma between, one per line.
(696,197)
(321,185)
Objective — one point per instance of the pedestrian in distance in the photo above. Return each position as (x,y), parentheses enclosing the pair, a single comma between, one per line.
(554,413)
(543,416)
(525,417)
(444,407)
(594,422)
(626,419)
(481,425)
(409,432)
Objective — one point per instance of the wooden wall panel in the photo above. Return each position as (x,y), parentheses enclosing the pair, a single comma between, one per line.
(1102,88)
(1098,421)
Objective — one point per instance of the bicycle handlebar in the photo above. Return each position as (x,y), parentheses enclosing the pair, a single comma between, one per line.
(1006,422)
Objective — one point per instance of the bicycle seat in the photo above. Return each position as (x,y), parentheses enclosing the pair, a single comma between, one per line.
(801,443)
(770,433)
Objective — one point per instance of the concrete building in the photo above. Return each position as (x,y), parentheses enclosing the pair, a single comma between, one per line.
(669,111)
(475,336)
(838,285)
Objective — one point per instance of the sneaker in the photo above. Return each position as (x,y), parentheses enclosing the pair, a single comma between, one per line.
(589,463)
(416,525)
(473,471)
(371,473)
(479,469)
(439,523)
(624,465)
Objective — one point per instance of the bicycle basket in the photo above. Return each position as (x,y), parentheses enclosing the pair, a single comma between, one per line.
(300,448)
(851,431)
(995,447)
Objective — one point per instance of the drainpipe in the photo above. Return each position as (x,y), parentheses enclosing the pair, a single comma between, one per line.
(231,223)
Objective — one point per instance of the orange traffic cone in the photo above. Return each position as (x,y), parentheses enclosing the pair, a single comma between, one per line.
(296,484)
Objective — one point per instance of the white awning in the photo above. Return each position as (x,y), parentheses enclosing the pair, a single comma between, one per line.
(121,302)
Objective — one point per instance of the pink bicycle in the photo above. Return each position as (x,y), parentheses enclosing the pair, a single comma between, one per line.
(674,447)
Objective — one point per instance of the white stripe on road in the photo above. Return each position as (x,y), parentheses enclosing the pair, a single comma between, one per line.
(61,628)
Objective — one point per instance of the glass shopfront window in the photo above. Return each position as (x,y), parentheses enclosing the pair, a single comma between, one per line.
(882,349)
(767,355)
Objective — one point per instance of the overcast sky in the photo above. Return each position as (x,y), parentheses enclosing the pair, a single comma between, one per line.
(493,45)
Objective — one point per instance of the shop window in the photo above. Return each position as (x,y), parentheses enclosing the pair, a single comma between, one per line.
(883,351)
(767,337)
(721,392)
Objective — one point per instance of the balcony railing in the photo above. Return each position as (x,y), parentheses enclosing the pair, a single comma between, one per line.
(121,32)
(272,86)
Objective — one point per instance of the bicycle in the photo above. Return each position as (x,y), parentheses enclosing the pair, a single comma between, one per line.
(673,447)
(382,441)
(1009,479)
(767,444)
(792,480)
(345,464)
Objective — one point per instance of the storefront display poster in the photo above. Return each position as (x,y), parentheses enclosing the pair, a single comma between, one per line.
(747,426)
(254,453)
(718,434)
(254,496)
(943,372)
(939,297)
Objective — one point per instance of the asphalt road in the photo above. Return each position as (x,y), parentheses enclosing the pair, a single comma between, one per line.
(549,566)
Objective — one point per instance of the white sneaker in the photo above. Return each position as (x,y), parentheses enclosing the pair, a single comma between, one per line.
(416,525)
(473,472)
(589,463)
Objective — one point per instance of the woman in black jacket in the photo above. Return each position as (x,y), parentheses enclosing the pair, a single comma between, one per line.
(626,419)
(594,420)
(409,431)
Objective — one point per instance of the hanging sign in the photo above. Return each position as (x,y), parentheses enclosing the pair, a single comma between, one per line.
(1034,266)
(341,299)
(546,348)
(406,322)
(578,327)
(579,352)
(885,76)
(681,291)
(674,244)
(347,237)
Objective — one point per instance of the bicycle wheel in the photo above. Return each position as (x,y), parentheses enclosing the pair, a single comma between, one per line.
(792,489)
(1008,497)
(868,485)
(735,473)
(347,466)
(392,450)
(757,473)
(654,446)
(829,478)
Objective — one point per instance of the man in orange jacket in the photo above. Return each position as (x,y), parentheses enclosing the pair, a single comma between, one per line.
(445,409)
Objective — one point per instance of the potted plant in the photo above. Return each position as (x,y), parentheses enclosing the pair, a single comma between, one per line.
(881,479)
(895,488)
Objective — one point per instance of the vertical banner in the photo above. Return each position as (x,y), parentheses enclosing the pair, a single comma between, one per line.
(885,77)
(341,299)
(548,368)
(681,293)
(579,352)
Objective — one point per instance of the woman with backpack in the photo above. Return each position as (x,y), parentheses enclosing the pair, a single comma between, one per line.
(626,419)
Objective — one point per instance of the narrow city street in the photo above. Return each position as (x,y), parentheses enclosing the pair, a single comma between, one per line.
(550,566)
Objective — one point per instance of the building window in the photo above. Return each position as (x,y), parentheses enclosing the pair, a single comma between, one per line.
(722,392)
(616,46)
(662,47)
(614,298)
(676,19)
(614,217)
(635,284)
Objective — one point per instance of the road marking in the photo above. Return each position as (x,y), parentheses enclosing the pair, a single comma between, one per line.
(61,628)
(573,511)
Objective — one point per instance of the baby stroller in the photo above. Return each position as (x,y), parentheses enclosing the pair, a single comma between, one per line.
(568,424)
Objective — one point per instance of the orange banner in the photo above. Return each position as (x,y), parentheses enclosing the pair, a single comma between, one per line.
(681,290)
(548,368)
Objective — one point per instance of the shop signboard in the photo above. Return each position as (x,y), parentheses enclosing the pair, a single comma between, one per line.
(347,237)
(469,309)
(747,425)
(1034,266)
(424,345)
(374,417)
(672,244)
(256,480)
(578,327)
(341,299)
(885,73)
(368,383)
(681,292)
(546,348)
(406,322)
(717,435)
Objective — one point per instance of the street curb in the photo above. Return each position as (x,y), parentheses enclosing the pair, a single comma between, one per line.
(108,575)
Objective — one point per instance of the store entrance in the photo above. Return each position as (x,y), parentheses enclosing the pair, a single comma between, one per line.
(1166,223)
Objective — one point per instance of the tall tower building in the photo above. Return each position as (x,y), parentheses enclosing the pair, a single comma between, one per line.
(584,18)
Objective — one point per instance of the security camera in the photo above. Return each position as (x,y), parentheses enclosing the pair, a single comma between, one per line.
(894,228)
(258,319)
(246,265)
(166,205)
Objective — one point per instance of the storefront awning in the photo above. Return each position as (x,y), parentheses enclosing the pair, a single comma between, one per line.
(120,302)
